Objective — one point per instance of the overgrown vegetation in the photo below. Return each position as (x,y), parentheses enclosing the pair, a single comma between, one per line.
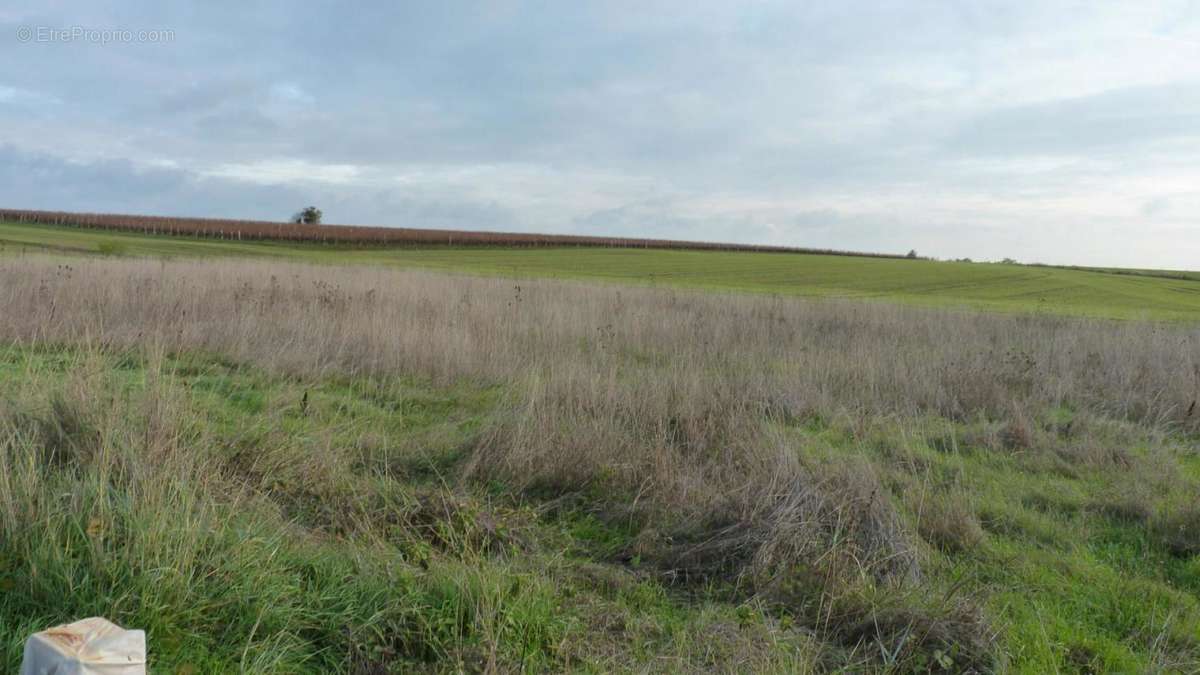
(286,468)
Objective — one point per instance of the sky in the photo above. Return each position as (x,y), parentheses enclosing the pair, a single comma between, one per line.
(1064,133)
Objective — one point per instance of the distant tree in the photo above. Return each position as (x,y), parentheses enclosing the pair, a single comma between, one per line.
(309,215)
(1009,261)
(912,255)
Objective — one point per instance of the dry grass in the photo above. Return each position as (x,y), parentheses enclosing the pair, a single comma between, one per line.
(640,353)
(666,404)
(949,521)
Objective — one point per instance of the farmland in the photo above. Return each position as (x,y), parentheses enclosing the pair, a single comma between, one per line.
(364,236)
(1009,288)
(287,463)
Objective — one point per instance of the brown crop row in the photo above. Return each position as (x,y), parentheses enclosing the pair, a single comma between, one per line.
(259,230)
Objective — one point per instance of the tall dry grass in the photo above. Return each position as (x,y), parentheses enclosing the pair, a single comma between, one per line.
(660,354)
(668,402)
(657,389)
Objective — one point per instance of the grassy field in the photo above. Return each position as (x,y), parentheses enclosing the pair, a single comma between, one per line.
(265,524)
(1013,288)
(279,467)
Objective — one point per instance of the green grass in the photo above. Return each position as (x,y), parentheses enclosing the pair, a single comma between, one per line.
(1071,587)
(313,526)
(309,525)
(1011,288)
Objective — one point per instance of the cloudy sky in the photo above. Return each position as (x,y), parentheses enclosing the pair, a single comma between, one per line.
(1063,133)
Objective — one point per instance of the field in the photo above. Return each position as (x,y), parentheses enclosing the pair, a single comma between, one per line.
(365,236)
(1125,294)
(280,466)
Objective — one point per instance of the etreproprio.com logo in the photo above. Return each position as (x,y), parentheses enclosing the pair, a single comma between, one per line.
(100,36)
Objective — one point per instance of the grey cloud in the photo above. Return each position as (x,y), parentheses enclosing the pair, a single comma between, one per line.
(1103,122)
(44,182)
(850,125)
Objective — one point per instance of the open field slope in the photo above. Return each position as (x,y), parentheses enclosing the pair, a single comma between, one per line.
(281,467)
(984,286)
(325,234)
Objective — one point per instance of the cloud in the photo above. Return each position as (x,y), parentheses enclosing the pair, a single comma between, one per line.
(1156,207)
(1115,120)
(44,182)
(25,97)
(286,171)
(981,129)
(291,93)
